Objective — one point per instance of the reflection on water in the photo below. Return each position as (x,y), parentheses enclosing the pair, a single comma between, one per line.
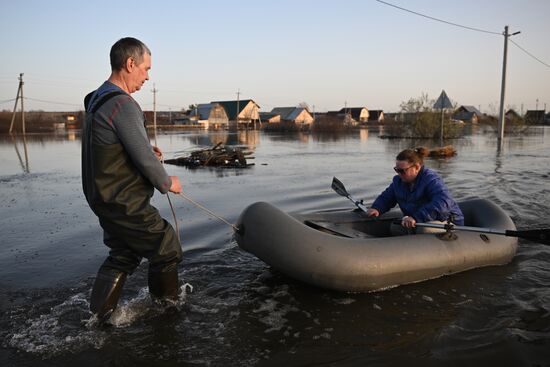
(25,163)
(250,138)
(241,312)
(363,134)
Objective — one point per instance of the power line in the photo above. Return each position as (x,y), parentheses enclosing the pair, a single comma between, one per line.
(160,104)
(52,83)
(67,77)
(167,105)
(439,20)
(530,54)
(52,102)
(195,92)
(7,100)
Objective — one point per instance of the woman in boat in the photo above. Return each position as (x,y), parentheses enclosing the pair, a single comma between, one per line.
(420,193)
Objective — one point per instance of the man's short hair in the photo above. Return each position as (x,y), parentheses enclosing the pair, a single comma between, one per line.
(125,48)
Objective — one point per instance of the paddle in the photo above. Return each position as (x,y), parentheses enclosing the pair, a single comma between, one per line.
(340,189)
(535,235)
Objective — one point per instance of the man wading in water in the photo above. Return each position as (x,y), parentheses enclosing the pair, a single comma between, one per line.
(120,170)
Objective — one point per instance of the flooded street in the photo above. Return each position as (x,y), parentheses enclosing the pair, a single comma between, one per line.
(235,310)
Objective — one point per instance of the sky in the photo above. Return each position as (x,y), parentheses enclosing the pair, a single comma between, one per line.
(326,53)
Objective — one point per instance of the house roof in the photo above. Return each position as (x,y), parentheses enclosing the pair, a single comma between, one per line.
(511,112)
(470,109)
(375,114)
(283,111)
(355,112)
(267,115)
(297,111)
(231,107)
(535,115)
(203,110)
(288,113)
(464,115)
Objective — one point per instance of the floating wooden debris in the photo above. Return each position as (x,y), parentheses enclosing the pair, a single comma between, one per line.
(446,151)
(440,152)
(217,156)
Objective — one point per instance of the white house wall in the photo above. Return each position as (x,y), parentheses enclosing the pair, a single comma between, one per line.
(218,116)
(304,118)
(364,115)
(250,112)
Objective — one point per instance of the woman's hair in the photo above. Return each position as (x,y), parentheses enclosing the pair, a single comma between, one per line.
(125,48)
(413,156)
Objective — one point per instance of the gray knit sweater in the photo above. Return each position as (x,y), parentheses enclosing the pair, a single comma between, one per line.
(120,120)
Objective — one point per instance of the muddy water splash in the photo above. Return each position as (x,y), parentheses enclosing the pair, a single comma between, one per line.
(69,327)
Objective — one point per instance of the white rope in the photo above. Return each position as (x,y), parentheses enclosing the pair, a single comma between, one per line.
(174,216)
(208,211)
(172,207)
(235,228)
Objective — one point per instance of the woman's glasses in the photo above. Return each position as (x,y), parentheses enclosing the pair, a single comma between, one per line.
(401,171)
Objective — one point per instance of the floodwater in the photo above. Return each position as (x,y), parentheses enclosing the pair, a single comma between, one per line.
(235,310)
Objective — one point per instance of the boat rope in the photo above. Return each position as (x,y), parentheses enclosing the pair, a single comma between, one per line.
(172,208)
(174,216)
(208,211)
(235,228)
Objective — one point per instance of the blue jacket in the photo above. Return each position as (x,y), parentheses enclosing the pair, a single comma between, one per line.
(428,200)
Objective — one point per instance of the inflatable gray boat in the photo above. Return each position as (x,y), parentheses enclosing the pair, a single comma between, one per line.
(343,250)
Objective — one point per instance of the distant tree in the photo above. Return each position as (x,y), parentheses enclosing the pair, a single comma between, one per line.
(511,107)
(420,104)
(422,121)
(304,105)
(493,110)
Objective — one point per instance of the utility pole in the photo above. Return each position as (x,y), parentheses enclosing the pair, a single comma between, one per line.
(154,90)
(238,107)
(537,105)
(347,119)
(19,96)
(522,110)
(503,89)
(441,131)
(442,102)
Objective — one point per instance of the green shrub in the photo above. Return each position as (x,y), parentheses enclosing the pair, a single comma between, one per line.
(428,125)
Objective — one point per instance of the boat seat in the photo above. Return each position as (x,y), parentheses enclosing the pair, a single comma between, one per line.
(336,229)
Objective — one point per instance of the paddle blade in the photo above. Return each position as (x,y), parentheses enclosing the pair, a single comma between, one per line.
(339,187)
(535,235)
